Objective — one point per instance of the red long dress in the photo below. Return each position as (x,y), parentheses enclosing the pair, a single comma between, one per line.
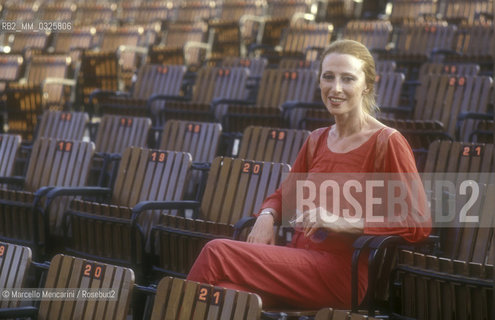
(306,274)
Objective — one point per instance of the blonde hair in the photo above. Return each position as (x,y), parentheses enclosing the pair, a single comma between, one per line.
(359,51)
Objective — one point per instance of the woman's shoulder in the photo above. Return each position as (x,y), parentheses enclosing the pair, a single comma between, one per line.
(392,140)
(389,137)
(314,140)
(385,132)
(318,132)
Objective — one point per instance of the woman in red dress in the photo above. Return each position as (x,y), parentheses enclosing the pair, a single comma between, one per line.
(308,273)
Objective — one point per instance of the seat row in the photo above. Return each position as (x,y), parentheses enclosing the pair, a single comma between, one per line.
(204,140)
(452,11)
(165,235)
(115,233)
(193,43)
(114,288)
(448,103)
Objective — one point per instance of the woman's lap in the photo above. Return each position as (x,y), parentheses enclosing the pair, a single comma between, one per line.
(299,277)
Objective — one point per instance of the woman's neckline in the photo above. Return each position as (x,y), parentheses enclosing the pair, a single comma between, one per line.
(356,148)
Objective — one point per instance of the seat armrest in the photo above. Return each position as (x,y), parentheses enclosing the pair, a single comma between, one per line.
(317,49)
(41,192)
(359,245)
(201,166)
(19,312)
(16,180)
(447,277)
(439,135)
(109,155)
(196,44)
(260,46)
(362,242)
(169,97)
(243,223)
(62,81)
(147,290)
(379,51)
(406,110)
(380,242)
(102,93)
(220,101)
(165,205)
(135,49)
(76,191)
(375,244)
(412,83)
(475,116)
(448,52)
(80,48)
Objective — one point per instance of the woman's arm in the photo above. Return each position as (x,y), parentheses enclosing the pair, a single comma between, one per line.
(319,218)
(416,225)
(398,170)
(302,164)
(262,231)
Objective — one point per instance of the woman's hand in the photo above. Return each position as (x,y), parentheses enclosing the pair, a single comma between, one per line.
(319,218)
(312,220)
(262,231)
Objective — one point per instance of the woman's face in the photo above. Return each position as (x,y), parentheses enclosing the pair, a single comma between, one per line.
(342,83)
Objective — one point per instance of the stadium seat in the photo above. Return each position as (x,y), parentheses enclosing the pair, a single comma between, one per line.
(70,272)
(235,189)
(183,299)
(28,218)
(14,267)
(107,228)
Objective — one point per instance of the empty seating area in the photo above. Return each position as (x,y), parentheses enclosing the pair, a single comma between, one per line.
(134,132)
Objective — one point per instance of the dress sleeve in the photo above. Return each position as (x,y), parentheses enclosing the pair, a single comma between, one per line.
(301,164)
(399,165)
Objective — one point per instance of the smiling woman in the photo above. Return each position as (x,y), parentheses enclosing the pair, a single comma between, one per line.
(360,61)
(342,83)
(347,82)
(309,273)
